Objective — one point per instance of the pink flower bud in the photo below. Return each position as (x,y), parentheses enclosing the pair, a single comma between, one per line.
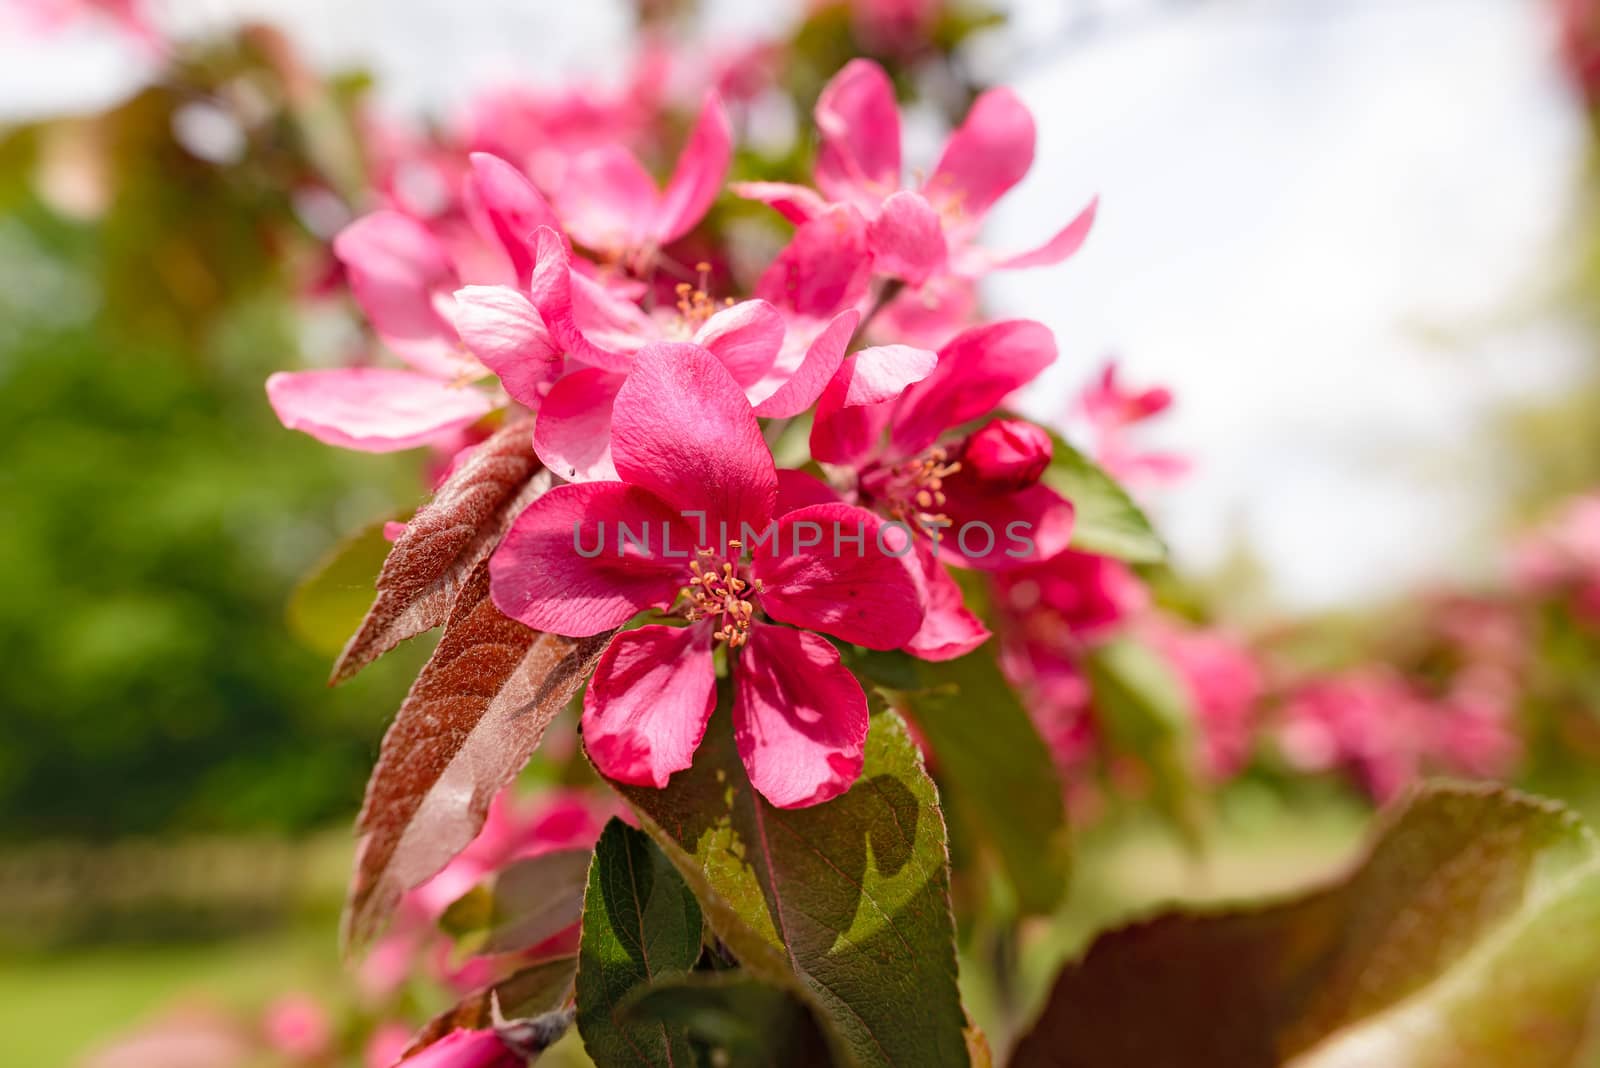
(1007,454)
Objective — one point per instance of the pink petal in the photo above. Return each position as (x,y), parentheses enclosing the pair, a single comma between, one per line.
(566,567)
(648,703)
(397,269)
(572,435)
(465,1049)
(1058,248)
(1028,526)
(907,239)
(797,203)
(825,269)
(987,156)
(796,390)
(796,489)
(858,592)
(503,330)
(799,717)
(977,370)
(373,409)
(854,410)
(552,291)
(608,201)
(501,201)
(698,176)
(949,629)
(682,428)
(745,338)
(608,316)
(859,121)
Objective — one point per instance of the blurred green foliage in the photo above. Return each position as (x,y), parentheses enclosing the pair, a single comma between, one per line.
(157,515)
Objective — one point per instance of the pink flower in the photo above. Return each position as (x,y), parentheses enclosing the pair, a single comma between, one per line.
(1111,409)
(919,233)
(466,1049)
(1366,722)
(882,425)
(1075,595)
(688,447)
(611,205)
(404,279)
(1563,557)
(298,1027)
(1225,686)
(386,1045)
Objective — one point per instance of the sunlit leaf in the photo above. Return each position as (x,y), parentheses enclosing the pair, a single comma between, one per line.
(846,903)
(329,603)
(1467,936)
(640,924)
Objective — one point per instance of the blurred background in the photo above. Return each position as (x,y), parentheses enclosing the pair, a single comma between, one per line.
(1354,237)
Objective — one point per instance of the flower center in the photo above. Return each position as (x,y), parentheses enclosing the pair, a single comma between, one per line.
(913,491)
(718,593)
(695,303)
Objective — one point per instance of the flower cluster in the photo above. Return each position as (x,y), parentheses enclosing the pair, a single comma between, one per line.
(659,386)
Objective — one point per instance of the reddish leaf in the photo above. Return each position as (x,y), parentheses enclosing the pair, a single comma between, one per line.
(473,717)
(424,572)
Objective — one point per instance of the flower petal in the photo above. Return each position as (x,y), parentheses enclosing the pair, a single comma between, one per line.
(976,371)
(682,428)
(648,703)
(572,435)
(1067,242)
(844,582)
(608,201)
(797,203)
(987,156)
(567,567)
(503,330)
(698,176)
(859,161)
(907,239)
(798,388)
(854,410)
(552,291)
(824,269)
(799,717)
(1002,531)
(501,201)
(745,338)
(373,409)
(796,489)
(397,269)
(949,629)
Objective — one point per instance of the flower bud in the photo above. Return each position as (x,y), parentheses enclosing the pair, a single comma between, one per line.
(1007,454)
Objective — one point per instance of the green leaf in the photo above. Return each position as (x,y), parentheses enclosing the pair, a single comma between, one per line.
(1144,711)
(329,603)
(998,772)
(733,1020)
(1469,935)
(1108,521)
(846,903)
(525,903)
(640,923)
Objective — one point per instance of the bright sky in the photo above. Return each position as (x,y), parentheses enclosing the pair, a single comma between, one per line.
(1330,225)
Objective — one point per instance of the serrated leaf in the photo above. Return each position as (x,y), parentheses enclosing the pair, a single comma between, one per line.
(846,903)
(1107,520)
(992,759)
(444,542)
(332,599)
(539,992)
(1445,938)
(640,924)
(526,902)
(1144,711)
(475,714)
(732,1020)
